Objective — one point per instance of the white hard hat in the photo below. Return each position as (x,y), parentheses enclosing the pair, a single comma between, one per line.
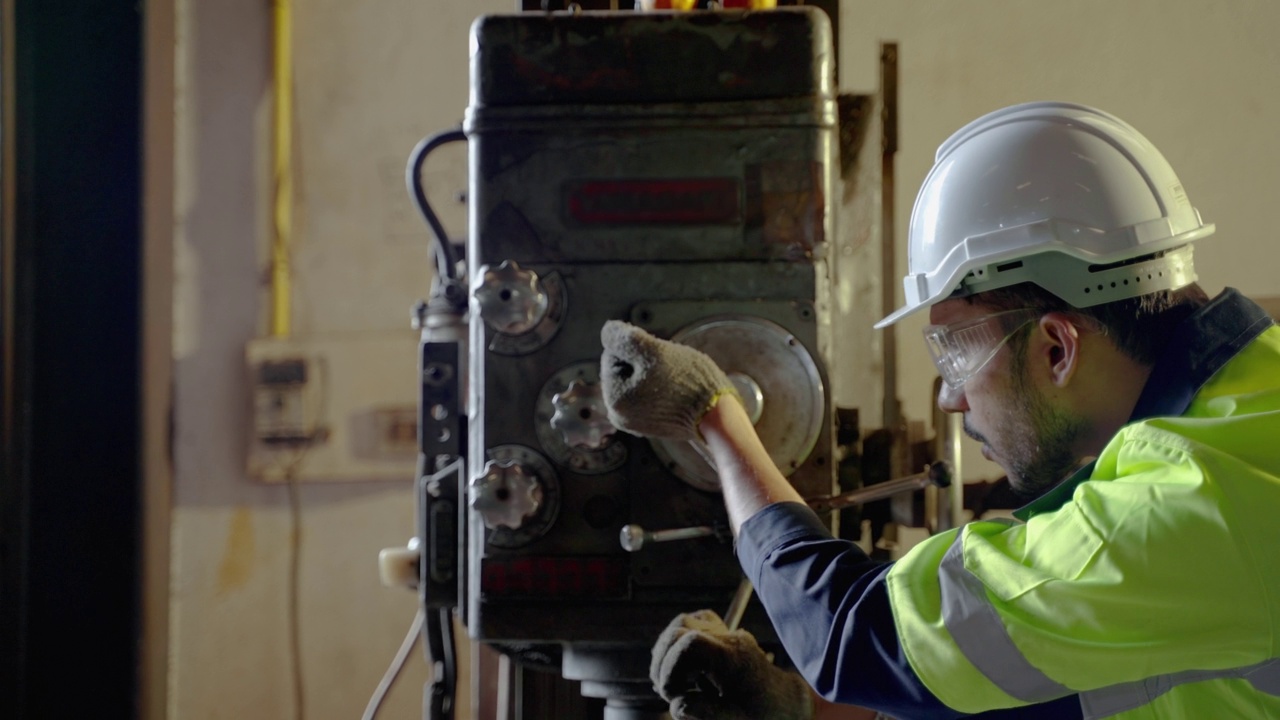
(1064,196)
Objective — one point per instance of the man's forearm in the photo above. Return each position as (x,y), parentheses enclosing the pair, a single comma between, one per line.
(748,478)
(750,483)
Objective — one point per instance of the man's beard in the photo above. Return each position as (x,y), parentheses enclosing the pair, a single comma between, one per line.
(1038,449)
(1048,457)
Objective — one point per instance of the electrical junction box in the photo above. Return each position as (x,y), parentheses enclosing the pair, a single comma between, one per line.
(333,408)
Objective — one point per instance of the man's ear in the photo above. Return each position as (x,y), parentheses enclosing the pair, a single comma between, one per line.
(1061,349)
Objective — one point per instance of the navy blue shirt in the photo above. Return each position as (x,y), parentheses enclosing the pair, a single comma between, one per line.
(829,603)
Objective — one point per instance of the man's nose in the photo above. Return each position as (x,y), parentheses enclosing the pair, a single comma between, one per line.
(951,399)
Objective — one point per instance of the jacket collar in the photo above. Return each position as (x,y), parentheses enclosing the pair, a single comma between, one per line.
(1197,350)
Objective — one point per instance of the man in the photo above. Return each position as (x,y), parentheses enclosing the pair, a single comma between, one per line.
(1052,247)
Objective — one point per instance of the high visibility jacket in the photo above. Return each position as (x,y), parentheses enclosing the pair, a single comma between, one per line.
(1149,583)
(1145,586)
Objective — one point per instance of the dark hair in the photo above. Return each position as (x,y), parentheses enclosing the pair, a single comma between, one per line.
(1139,326)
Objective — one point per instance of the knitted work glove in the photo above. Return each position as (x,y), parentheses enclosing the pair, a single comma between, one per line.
(657,388)
(708,672)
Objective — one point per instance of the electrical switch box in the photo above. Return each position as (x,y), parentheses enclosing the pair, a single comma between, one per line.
(333,408)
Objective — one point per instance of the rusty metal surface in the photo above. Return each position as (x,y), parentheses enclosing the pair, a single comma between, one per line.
(665,169)
(528,191)
(609,57)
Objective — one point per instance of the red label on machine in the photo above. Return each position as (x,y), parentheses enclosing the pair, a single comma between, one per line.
(564,577)
(688,201)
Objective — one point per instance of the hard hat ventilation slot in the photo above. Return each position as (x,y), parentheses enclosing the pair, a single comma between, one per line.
(1009,266)
(1156,276)
(1131,261)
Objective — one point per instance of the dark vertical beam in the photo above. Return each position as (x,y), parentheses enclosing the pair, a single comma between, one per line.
(71,488)
(888,257)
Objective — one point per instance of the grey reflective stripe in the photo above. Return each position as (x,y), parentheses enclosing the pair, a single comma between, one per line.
(1265,677)
(981,636)
(1108,701)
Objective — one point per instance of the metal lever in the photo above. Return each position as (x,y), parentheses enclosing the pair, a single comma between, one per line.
(634,537)
(937,473)
(738,606)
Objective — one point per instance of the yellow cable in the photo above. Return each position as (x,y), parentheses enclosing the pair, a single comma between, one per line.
(283,169)
(282,48)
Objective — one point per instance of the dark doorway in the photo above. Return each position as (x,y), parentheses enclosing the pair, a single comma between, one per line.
(69,295)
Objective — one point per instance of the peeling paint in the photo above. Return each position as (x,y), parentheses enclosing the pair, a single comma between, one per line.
(236,566)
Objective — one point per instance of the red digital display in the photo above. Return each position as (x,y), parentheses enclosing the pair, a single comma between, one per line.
(685,201)
(563,577)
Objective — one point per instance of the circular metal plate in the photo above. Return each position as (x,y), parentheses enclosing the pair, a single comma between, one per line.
(793,396)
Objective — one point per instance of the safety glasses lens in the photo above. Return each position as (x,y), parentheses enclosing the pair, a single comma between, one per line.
(959,351)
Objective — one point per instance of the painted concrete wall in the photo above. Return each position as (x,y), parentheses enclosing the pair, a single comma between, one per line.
(1199,77)
(372,78)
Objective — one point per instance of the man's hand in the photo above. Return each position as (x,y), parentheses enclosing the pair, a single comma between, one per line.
(657,388)
(708,672)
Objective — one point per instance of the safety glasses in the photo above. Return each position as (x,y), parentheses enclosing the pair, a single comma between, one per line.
(962,349)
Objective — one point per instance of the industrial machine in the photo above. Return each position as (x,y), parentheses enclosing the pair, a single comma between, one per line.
(674,170)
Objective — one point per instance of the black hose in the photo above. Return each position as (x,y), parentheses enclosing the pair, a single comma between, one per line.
(446,260)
